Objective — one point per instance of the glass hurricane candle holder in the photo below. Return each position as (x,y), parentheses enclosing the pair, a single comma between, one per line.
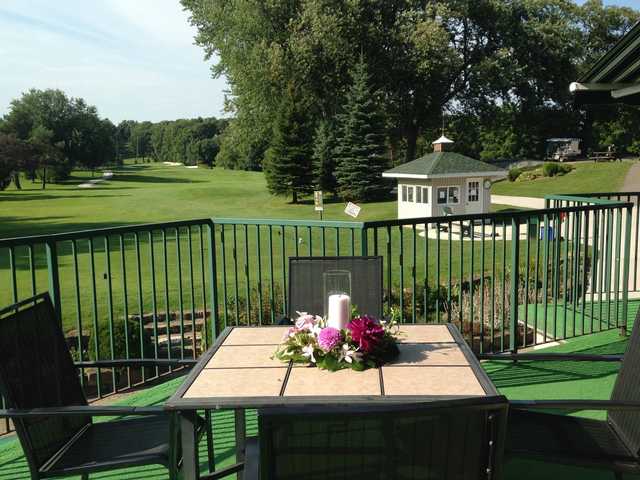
(337,294)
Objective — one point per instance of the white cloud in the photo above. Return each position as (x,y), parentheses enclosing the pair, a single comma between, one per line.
(132,59)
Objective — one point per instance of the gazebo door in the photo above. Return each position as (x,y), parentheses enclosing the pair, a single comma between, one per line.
(473,199)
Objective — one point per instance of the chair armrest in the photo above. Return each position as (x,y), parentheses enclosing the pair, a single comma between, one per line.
(249,467)
(101,411)
(575,405)
(224,472)
(570,357)
(136,362)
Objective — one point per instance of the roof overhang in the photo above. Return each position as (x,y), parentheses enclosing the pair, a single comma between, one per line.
(615,78)
(604,93)
(448,175)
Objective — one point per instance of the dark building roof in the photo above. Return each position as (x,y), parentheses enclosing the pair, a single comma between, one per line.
(444,164)
(615,78)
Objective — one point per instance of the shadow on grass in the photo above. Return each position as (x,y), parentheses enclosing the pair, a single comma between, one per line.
(524,373)
(128,177)
(13,227)
(26,197)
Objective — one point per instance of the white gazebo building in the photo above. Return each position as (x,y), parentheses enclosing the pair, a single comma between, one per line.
(444,183)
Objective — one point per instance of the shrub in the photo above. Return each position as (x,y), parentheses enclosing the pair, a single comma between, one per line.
(552,169)
(119,345)
(514,173)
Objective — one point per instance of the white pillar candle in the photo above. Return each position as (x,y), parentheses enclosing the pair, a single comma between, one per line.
(339,311)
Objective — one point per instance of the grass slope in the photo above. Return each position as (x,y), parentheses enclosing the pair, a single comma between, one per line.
(146,193)
(586,177)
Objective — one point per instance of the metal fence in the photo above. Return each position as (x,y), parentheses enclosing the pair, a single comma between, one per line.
(507,280)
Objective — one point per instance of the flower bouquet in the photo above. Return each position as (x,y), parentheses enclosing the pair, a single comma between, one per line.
(365,342)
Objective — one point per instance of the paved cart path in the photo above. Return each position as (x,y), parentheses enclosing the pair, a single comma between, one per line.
(632,180)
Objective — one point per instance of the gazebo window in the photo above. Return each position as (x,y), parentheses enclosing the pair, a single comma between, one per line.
(425,194)
(448,195)
(409,194)
(418,195)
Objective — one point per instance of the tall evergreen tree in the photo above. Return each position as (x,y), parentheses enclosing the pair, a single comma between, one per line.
(288,166)
(323,157)
(360,148)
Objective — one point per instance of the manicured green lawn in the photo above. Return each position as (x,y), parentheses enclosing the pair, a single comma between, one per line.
(586,177)
(146,193)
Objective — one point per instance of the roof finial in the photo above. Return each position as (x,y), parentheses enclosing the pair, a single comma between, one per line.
(442,124)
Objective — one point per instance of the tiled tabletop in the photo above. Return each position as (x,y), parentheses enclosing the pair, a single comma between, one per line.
(239,371)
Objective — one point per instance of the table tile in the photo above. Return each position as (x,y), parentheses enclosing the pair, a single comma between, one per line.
(244,356)
(231,382)
(430,354)
(430,381)
(424,334)
(256,336)
(314,381)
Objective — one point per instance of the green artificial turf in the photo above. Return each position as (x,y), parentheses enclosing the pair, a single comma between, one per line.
(586,177)
(522,380)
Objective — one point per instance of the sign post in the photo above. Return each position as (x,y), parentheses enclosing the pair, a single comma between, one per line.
(318,202)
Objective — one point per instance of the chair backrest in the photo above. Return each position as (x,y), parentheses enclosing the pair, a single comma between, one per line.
(462,439)
(306,286)
(36,371)
(627,387)
(447,211)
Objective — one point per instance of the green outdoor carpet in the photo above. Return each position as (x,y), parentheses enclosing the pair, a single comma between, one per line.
(522,380)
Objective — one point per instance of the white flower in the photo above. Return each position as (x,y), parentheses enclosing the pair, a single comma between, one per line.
(307,351)
(349,355)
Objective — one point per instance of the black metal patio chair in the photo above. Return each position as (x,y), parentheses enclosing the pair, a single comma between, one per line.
(48,407)
(461,439)
(306,287)
(612,444)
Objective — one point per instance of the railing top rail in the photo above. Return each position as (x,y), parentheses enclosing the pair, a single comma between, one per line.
(101,232)
(128,229)
(604,194)
(539,213)
(579,198)
(288,223)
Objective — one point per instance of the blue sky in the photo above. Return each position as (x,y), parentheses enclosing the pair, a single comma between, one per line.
(133,59)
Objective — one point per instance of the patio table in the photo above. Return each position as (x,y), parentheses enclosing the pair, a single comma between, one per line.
(238,372)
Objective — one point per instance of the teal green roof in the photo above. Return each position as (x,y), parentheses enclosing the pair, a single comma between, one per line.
(442,164)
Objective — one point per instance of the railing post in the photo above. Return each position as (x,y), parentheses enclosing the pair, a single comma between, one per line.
(54,277)
(213,279)
(364,242)
(515,280)
(625,268)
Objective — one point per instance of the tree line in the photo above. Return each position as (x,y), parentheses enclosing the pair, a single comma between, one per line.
(190,141)
(46,134)
(497,70)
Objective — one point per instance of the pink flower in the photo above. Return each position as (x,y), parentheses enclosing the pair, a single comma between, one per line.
(291,331)
(367,332)
(329,338)
(306,322)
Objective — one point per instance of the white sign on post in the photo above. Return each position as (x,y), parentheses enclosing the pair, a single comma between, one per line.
(317,201)
(352,210)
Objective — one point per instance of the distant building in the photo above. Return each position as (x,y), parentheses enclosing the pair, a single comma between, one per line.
(444,183)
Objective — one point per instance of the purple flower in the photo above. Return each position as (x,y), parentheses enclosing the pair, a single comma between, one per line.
(366,332)
(329,338)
